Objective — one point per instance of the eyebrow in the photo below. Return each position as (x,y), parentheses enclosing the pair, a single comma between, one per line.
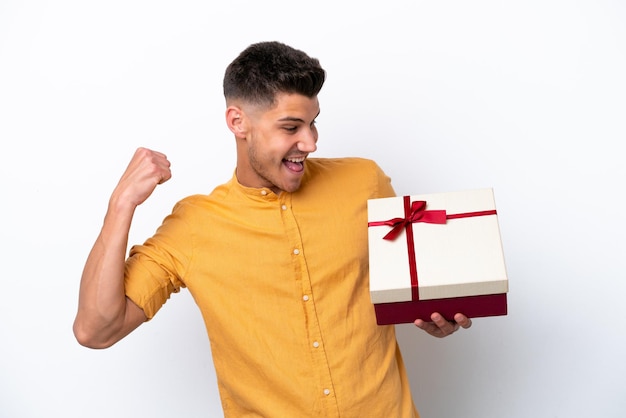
(294,119)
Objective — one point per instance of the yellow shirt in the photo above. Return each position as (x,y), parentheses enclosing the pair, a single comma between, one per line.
(282,284)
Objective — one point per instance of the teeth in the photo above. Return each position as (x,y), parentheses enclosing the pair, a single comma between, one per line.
(295,160)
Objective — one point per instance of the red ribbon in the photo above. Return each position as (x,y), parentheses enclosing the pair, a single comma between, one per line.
(416,212)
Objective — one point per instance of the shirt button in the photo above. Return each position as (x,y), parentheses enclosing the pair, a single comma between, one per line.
(316,344)
(326,392)
(296,251)
(305,298)
(264,192)
(284,207)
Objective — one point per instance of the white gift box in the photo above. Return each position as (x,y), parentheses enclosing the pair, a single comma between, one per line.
(455,263)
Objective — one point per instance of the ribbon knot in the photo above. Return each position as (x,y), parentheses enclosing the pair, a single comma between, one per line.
(416,213)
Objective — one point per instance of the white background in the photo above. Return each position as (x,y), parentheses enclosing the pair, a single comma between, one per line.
(526,97)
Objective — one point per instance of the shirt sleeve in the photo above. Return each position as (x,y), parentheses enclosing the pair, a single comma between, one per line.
(155,269)
(383,184)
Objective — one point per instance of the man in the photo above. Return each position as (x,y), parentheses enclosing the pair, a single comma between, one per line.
(276,259)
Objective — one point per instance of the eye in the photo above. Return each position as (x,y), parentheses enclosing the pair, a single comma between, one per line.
(290,128)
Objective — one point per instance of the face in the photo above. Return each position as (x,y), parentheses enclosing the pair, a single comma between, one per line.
(275,142)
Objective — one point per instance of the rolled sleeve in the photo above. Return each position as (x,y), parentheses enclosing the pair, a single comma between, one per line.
(156,269)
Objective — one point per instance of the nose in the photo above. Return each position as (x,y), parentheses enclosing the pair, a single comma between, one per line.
(308,140)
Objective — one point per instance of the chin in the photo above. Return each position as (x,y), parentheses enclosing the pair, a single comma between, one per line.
(290,188)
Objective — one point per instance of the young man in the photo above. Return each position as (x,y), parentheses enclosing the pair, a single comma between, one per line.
(276,259)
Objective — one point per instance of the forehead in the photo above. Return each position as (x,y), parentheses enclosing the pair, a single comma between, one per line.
(291,105)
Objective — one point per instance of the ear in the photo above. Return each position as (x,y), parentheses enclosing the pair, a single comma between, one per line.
(235,122)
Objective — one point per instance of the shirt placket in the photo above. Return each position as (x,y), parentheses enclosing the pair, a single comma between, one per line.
(311,320)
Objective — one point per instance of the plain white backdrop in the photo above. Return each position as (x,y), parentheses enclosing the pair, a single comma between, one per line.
(526,97)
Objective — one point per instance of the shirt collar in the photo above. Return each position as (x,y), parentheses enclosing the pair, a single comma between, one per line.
(260,194)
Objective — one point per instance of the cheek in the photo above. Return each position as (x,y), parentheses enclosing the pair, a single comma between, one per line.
(262,157)
(270,147)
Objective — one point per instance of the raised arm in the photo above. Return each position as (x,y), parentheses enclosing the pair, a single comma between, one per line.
(105,315)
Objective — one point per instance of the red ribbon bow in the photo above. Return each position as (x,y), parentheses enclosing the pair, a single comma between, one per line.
(416,213)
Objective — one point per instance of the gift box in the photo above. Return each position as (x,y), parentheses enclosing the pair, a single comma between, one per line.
(439,252)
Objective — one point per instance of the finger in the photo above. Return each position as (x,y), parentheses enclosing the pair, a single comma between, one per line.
(162,161)
(462,320)
(428,327)
(160,166)
(445,326)
(165,169)
(165,175)
(421,324)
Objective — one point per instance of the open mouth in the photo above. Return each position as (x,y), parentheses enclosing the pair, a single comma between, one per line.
(294,164)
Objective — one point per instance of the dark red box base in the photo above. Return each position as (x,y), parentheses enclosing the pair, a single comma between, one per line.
(470,306)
